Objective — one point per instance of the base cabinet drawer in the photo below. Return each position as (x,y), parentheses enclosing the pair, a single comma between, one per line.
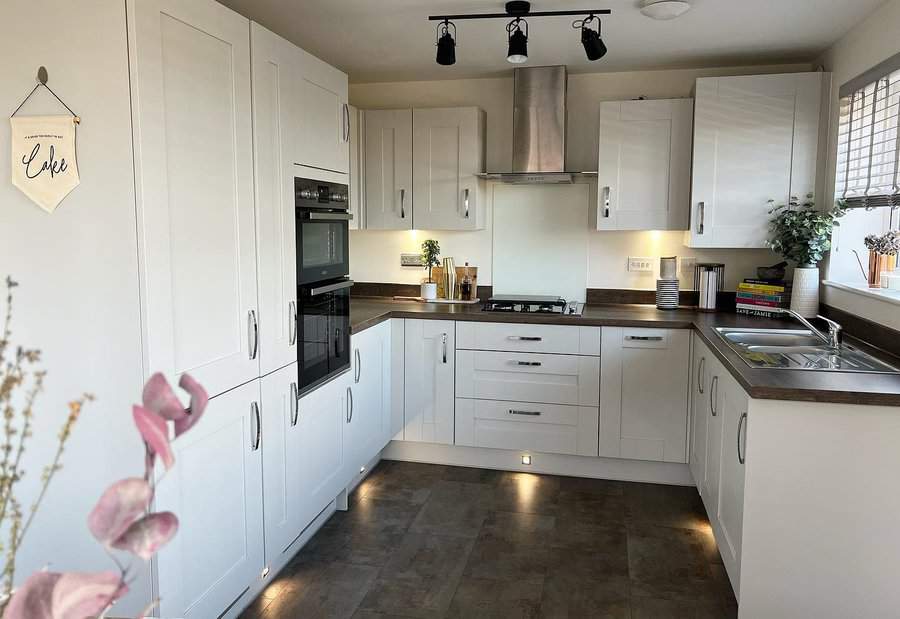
(545,428)
(559,339)
(528,377)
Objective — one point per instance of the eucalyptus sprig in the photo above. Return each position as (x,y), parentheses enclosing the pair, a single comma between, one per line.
(800,232)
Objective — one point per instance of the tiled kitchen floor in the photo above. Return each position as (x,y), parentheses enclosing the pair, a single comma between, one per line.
(424,540)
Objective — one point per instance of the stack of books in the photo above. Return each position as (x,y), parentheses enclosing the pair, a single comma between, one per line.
(762,297)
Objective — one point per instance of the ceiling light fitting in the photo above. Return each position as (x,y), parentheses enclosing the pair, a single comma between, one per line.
(517,31)
(665,9)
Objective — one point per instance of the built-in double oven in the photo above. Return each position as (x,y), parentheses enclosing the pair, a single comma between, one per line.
(323,283)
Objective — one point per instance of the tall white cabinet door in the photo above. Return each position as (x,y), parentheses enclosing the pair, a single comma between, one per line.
(729,517)
(282,460)
(275,133)
(363,434)
(644,169)
(388,163)
(190,83)
(700,372)
(429,398)
(322,423)
(715,403)
(325,119)
(357,171)
(216,490)
(750,133)
(644,395)
(448,153)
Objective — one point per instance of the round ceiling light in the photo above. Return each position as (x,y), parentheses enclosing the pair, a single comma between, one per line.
(665,9)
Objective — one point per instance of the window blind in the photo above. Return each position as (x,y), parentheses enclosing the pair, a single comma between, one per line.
(868,161)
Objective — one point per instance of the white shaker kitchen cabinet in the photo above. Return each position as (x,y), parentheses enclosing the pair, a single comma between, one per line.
(357,171)
(276,126)
(216,488)
(394,413)
(644,394)
(324,136)
(388,165)
(190,93)
(448,153)
(364,433)
(755,139)
(701,362)
(429,378)
(644,166)
(321,438)
(713,410)
(282,460)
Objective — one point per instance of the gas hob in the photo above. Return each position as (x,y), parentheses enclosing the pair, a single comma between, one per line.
(532,304)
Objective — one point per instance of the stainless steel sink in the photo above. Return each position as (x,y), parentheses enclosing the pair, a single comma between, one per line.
(796,349)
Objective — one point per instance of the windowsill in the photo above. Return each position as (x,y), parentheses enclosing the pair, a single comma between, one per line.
(882,294)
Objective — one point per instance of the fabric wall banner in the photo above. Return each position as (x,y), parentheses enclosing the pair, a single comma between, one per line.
(43,158)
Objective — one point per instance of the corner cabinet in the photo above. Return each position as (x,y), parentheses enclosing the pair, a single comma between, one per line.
(644,165)
(388,169)
(755,139)
(324,133)
(430,347)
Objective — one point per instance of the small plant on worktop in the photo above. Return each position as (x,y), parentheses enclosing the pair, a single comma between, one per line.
(431,250)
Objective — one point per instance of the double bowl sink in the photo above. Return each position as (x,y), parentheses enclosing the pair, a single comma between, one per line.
(797,349)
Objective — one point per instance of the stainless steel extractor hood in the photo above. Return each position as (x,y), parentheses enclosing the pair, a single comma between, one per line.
(539,128)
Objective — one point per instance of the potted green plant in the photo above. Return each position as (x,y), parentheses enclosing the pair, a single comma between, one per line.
(431,251)
(802,234)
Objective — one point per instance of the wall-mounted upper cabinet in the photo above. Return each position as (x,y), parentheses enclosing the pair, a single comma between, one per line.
(324,130)
(755,139)
(644,166)
(388,169)
(448,153)
(420,169)
(357,162)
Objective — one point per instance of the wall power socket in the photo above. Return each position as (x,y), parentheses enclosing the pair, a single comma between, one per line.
(640,264)
(411,260)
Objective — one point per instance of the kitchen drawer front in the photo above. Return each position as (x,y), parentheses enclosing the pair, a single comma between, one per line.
(528,377)
(515,337)
(643,338)
(546,428)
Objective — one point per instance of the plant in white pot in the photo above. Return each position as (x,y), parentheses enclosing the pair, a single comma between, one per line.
(431,251)
(802,234)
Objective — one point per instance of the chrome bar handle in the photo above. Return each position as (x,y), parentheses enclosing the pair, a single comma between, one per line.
(701,212)
(346,120)
(606,191)
(466,202)
(349,404)
(644,338)
(742,457)
(253,333)
(254,411)
(295,405)
(700,371)
(292,323)
(526,338)
(513,411)
(529,363)
(402,201)
(358,373)
(713,394)
(444,347)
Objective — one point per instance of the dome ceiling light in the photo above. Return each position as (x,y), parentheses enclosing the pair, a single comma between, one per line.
(665,9)
(517,31)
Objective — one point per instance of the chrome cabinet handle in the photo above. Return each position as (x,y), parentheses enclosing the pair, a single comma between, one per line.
(253,333)
(742,457)
(700,371)
(644,338)
(606,201)
(701,211)
(513,411)
(295,405)
(529,363)
(713,394)
(337,342)
(526,338)
(349,404)
(292,323)
(402,201)
(358,374)
(466,203)
(254,411)
(444,347)
(346,120)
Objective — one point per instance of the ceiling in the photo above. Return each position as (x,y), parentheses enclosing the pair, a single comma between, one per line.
(391,40)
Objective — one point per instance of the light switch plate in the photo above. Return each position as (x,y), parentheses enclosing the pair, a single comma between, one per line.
(640,264)
(411,260)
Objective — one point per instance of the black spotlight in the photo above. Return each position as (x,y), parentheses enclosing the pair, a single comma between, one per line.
(518,41)
(594,47)
(446,45)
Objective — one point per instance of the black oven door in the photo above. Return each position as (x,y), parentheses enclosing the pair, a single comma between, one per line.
(324,332)
(323,247)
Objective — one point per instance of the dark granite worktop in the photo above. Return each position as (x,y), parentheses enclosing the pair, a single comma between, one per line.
(806,386)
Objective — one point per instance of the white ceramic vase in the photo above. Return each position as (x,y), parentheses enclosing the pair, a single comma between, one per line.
(429,291)
(805,293)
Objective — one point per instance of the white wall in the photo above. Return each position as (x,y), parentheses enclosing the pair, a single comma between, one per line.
(76,267)
(868,43)
(374,256)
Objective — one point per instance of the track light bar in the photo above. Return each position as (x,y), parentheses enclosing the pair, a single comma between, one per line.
(511,12)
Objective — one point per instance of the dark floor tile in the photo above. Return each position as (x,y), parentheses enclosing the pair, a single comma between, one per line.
(652,608)
(496,559)
(256,608)
(478,598)
(603,557)
(472,475)
(401,481)
(371,614)
(672,506)
(568,596)
(527,493)
(454,508)
(421,576)
(670,563)
(591,508)
(516,528)
(591,486)
(323,589)
(376,513)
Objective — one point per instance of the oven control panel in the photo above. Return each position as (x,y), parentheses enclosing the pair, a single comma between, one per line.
(318,194)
